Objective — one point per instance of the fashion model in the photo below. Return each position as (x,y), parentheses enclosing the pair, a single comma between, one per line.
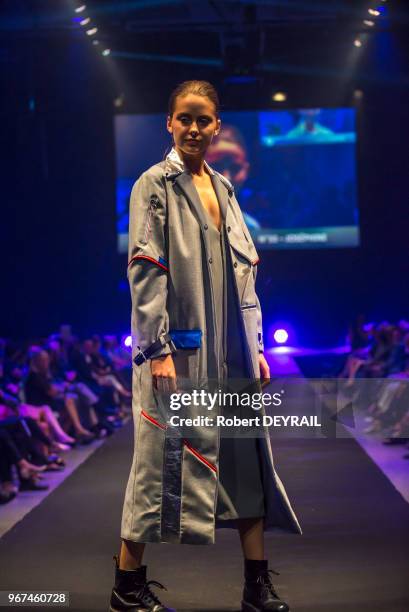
(195,316)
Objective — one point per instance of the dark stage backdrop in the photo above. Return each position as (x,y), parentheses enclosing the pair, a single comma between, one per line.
(60,262)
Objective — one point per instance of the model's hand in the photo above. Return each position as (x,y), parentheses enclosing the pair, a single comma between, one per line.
(163,374)
(264,370)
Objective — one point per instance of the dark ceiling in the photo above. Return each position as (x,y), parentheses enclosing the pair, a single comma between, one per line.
(226,40)
(245,33)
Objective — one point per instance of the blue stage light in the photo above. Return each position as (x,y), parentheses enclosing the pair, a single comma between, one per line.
(280,336)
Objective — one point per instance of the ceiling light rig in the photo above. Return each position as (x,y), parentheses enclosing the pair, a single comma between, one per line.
(279,96)
(370,23)
(84,20)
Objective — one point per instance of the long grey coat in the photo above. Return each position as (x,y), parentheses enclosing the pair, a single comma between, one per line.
(172,488)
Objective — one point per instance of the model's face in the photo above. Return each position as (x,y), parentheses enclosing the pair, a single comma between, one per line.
(193,124)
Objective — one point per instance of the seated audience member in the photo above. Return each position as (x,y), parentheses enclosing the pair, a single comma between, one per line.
(28,473)
(370,362)
(120,358)
(31,442)
(87,400)
(102,367)
(396,360)
(44,416)
(41,390)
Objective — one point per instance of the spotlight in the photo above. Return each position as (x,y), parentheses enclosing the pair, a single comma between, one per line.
(280,96)
(280,336)
(358,94)
(106,52)
(128,341)
(95,42)
(369,23)
(85,21)
(374,12)
(92,31)
(81,8)
(119,100)
(357,43)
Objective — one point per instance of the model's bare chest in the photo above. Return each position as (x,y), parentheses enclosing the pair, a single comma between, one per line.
(209,200)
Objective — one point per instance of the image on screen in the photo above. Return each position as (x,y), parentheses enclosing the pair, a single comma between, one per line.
(293,171)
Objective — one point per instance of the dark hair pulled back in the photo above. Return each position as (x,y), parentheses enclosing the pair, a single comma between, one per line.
(199,88)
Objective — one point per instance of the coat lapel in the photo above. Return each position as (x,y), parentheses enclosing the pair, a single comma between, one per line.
(185,182)
(221,193)
(178,173)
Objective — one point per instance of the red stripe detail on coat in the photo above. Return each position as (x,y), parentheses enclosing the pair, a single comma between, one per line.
(149,259)
(152,420)
(253,263)
(199,456)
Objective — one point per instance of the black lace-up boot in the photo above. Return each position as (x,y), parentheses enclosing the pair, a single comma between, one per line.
(132,592)
(259,594)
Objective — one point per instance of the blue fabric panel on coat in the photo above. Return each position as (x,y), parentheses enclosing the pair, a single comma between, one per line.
(171,489)
(186,338)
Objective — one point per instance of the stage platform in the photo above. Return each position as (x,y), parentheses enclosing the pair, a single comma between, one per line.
(352,556)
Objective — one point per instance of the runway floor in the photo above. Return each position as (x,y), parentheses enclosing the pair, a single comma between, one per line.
(353,555)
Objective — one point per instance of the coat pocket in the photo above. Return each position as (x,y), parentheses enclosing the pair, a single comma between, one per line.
(242,246)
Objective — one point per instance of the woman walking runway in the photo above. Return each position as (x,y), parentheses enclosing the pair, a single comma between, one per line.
(195,317)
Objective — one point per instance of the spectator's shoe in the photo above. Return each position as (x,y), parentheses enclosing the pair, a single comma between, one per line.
(259,594)
(32,484)
(394,441)
(375,427)
(60,447)
(132,592)
(107,425)
(85,438)
(54,467)
(99,430)
(53,458)
(6,496)
(115,422)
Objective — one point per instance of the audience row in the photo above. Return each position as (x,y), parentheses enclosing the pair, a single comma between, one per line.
(376,374)
(55,394)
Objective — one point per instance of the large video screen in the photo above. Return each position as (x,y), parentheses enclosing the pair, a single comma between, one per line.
(294,172)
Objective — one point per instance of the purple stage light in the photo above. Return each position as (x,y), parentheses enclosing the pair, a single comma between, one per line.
(280,336)
(128,341)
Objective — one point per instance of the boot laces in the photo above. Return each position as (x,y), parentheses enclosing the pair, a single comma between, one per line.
(265,581)
(146,595)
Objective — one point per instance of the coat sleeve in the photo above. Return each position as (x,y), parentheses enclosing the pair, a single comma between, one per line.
(148,265)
